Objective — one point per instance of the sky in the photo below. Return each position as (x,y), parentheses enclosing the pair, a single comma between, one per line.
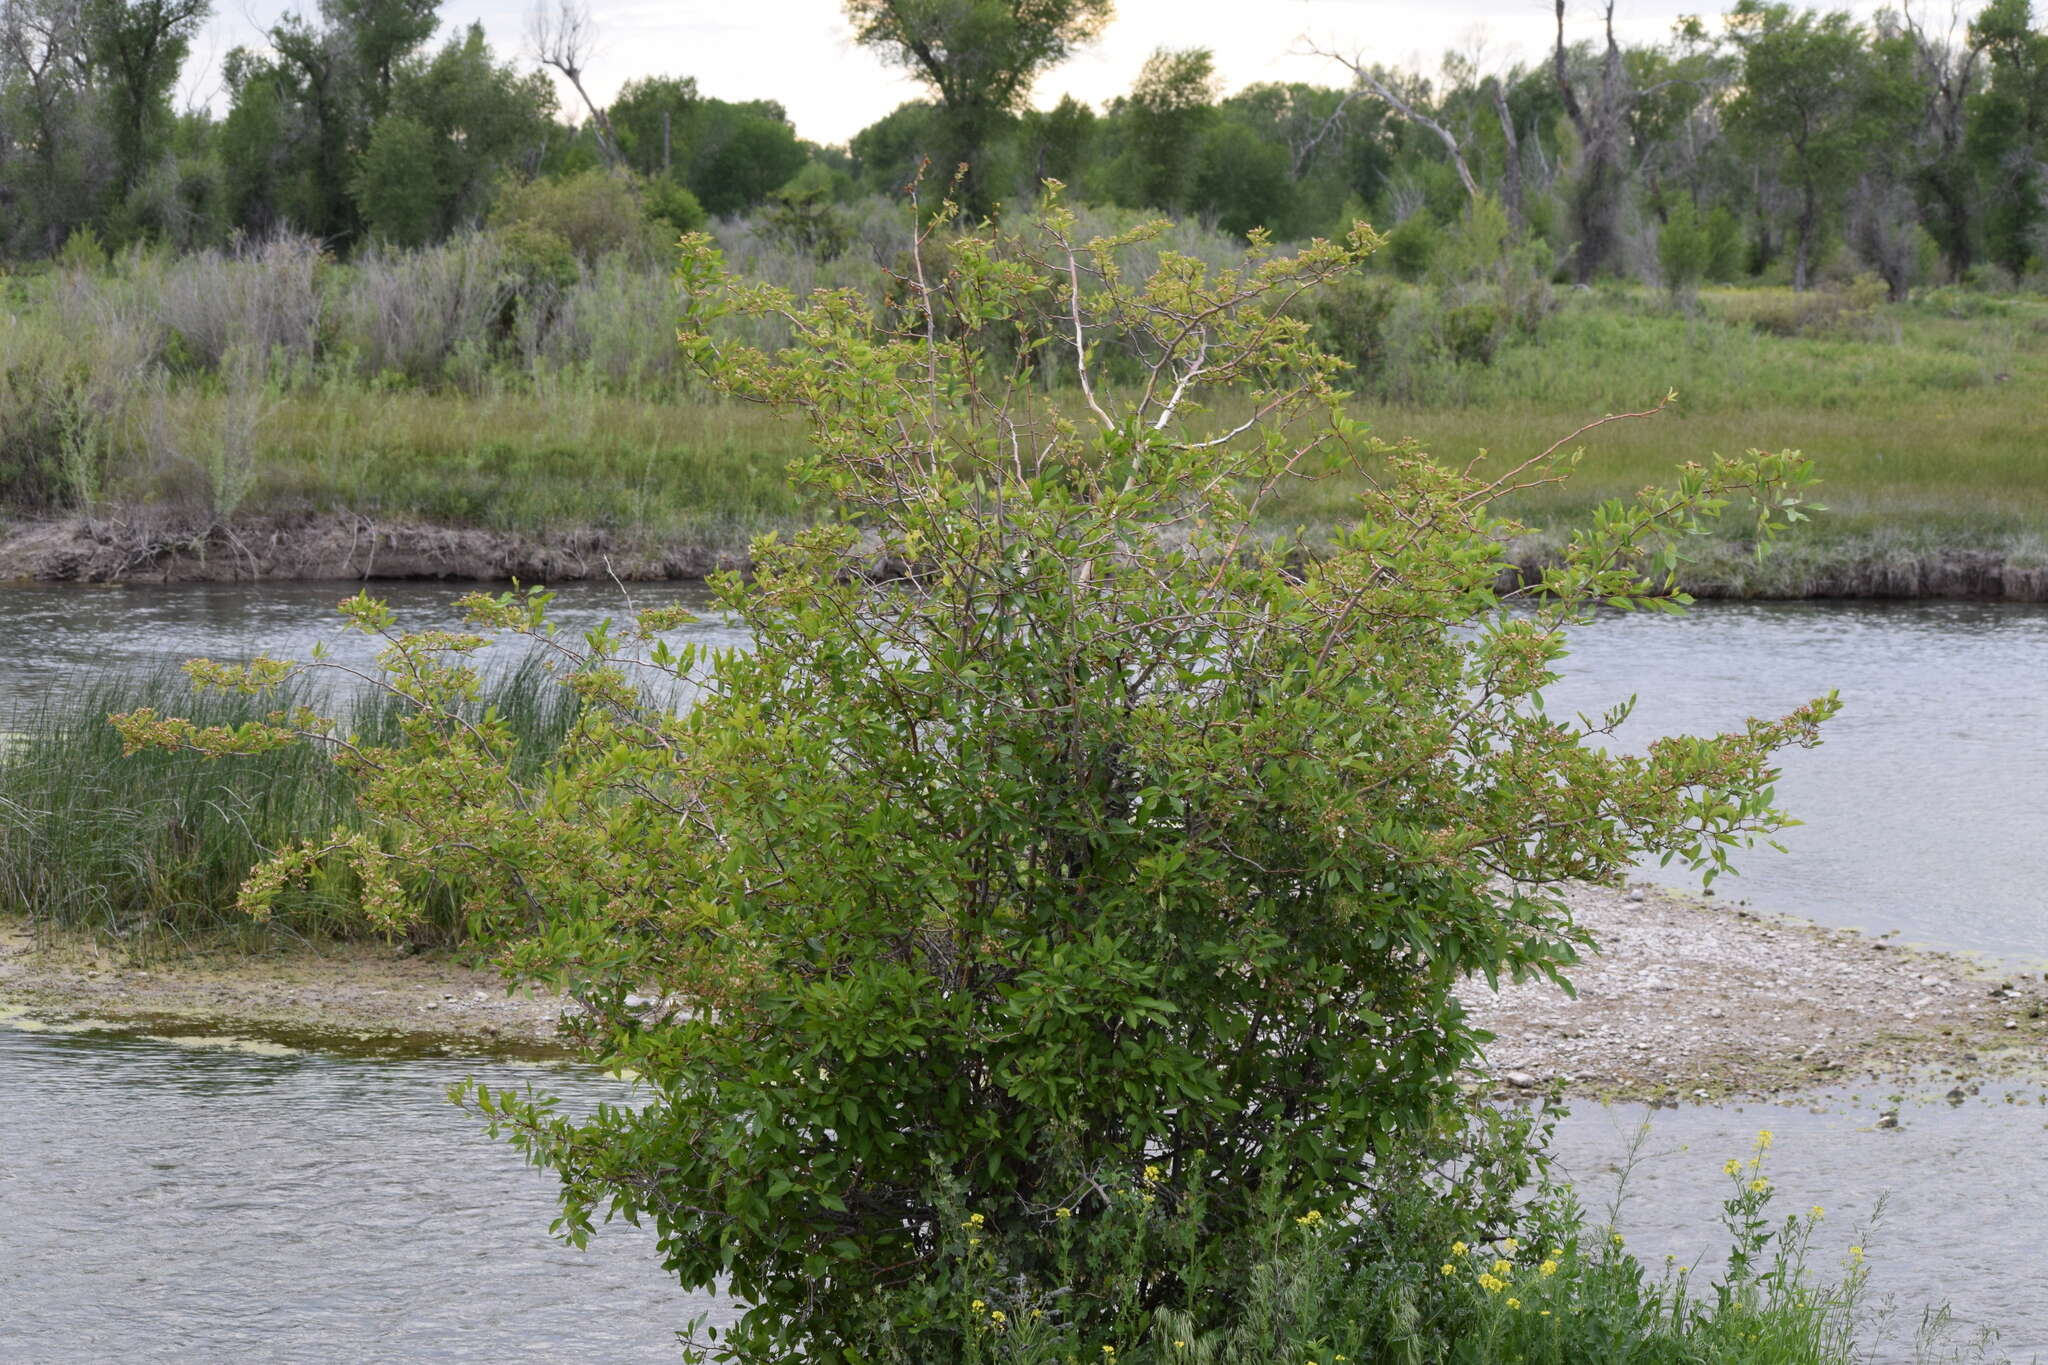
(802,53)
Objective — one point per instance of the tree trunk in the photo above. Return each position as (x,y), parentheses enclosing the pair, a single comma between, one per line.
(1809,220)
(1511,169)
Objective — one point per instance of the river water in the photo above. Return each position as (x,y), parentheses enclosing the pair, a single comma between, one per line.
(163,1201)
(184,1201)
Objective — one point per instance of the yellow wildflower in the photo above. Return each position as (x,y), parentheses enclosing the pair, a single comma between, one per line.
(1503,1267)
(1759,1185)
(1449,1269)
(1151,1172)
(1733,1165)
(975,1220)
(1310,1219)
(1547,1269)
(1616,1238)
(1511,1246)
(1491,1285)
(1763,1139)
(1459,1248)
(997,1317)
(1856,1253)
(1109,1350)
(1063,1213)
(1818,1212)
(1514,1303)
(976,1305)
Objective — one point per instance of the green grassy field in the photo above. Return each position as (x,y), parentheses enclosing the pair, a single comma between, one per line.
(1924,418)
(1927,428)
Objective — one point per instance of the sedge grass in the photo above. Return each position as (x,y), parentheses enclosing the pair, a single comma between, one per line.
(154,845)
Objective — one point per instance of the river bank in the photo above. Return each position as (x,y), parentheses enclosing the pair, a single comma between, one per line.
(1695,999)
(142,546)
(337,996)
(1690,1000)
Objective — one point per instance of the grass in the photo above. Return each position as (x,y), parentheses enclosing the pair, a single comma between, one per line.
(1925,426)
(153,845)
(1922,417)
(1402,1281)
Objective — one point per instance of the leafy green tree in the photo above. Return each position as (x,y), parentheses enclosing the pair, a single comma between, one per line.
(730,155)
(1056,142)
(1241,180)
(1724,244)
(382,34)
(398,185)
(1685,249)
(2008,130)
(1814,104)
(980,57)
(598,213)
(1118,848)
(253,149)
(458,123)
(1168,110)
(314,72)
(51,181)
(889,151)
(137,48)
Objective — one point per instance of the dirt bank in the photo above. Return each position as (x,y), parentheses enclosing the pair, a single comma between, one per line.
(1691,999)
(141,549)
(354,991)
(1696,999)
(147,547)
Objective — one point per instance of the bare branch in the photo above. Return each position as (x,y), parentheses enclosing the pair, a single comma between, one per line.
(1386,93)
(562,35)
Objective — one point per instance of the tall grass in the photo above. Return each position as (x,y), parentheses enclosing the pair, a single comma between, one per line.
(155,845)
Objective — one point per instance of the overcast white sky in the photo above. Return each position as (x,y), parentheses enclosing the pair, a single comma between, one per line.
(802,53)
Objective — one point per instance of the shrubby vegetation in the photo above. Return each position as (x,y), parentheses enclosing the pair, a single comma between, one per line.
(1111,860)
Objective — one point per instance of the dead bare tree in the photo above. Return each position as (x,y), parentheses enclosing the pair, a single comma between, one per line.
(1511,164)
(1600,115)
(1302,149)
(1946,65)
(1369,79)
(562,35)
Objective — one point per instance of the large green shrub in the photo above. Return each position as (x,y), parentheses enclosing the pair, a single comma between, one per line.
(1110,845)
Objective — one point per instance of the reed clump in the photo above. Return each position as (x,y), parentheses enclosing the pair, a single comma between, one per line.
(154,845)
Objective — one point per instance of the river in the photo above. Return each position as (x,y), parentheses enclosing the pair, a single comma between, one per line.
(164,1201)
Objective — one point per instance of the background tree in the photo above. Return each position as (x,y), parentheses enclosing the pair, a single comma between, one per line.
(382,34)
(137,49)
(53,161)
(562,35)
(2008,131)
(980,58)
(1813,104)
(1164,118)
(458,123)
(730,155)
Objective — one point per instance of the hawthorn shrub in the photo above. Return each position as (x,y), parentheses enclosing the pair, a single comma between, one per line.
(1106,846)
